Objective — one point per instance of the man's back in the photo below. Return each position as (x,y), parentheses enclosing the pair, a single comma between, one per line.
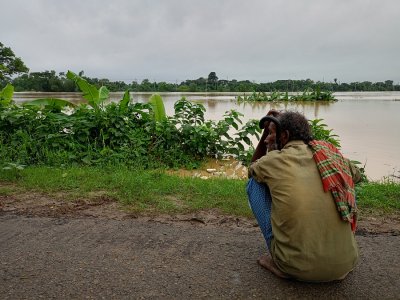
(310,242)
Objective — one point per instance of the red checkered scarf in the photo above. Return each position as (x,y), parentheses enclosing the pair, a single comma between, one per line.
(336,177)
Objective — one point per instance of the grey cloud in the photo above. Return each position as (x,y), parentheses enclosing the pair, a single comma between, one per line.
(176,40)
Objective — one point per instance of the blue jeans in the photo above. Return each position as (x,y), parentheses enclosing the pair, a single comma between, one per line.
(260,201)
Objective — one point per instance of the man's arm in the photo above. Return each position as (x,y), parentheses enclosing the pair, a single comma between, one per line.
(261,148)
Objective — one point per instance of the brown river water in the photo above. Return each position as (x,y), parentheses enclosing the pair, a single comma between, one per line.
(367,123)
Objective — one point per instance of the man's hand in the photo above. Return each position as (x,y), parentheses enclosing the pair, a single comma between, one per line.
(261,148)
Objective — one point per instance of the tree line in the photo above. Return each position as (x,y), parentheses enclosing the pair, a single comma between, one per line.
(14,71)
(50,81)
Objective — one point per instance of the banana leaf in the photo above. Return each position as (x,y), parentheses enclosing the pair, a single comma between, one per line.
(123,104)
(103,94)
(51,103)
(157,105)
(90,92)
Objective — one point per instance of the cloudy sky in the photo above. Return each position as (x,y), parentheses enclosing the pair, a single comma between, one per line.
(171,40)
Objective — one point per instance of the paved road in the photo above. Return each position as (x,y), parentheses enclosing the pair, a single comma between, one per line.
(97,258)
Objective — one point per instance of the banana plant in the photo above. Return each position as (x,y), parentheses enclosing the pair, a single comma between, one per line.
(6,95)
(94,96)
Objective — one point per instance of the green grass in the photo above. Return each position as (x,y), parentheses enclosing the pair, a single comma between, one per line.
(157,192)
(384,196)
(6,191)
(142,191)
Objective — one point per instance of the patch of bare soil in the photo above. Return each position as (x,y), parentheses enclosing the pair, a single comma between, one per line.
(389,224)
(98,205)
(222,168)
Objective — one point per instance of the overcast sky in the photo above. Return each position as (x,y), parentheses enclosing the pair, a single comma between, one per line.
(171,40)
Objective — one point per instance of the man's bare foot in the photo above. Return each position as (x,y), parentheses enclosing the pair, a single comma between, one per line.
(267,262)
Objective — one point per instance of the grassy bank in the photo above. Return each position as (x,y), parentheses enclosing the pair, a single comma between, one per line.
(158,192)
(142,191)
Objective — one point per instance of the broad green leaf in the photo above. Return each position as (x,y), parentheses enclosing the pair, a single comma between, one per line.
(157,104)
(246,140)
(123,104)
(6,95)
(51,102)
(103,94)
(90,92)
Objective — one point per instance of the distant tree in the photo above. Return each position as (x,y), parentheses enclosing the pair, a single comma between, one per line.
(46,81)
(183,88)
(212,80)
(192,87)
(389,85)
(9,64)
(146,86)
(165,87)
(134,86)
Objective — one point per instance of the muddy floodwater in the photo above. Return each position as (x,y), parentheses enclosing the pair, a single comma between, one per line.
(367,123)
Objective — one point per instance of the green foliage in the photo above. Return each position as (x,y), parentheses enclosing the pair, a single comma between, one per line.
(123,105)
(9,63)
(361,167)
(6,95)
(189,113)
(13,170)
(158,108)
(49,81)
(132,134)
(379,195)
(42,132)
(52,104)
(320,131)
(307,95)
(214,139)
(314,95)
(94,96)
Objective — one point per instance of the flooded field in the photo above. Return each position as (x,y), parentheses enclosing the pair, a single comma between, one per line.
(367,123)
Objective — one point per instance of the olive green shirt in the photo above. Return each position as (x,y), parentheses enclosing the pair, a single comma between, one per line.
(310,241)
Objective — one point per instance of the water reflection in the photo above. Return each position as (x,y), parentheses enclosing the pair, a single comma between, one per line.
(367,123)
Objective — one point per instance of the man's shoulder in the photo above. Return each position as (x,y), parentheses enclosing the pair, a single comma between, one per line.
(292,148)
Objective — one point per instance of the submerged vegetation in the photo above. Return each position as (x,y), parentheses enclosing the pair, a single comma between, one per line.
(307,95)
